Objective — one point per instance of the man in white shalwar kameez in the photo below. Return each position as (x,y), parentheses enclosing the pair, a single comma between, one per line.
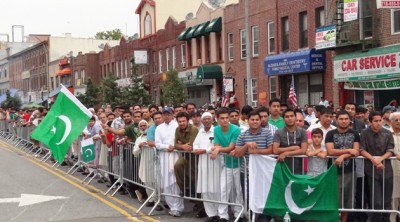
(209,171)
(165,138)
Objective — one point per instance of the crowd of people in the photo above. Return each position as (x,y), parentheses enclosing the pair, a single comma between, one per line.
(202,136)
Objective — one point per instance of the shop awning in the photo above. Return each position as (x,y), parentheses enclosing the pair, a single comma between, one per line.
(182,36)
(295,62)
(214,26)
(65,71)
(383,84)
(209,72)
(59,72)
(191,32)
(201,29)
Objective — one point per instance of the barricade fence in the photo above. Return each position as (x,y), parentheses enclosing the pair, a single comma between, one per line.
(213,183)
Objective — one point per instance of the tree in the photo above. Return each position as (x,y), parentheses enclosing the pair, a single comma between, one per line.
(173,89)
(91,97)
(137,91)
(115,34)
(111,91)
(11,101)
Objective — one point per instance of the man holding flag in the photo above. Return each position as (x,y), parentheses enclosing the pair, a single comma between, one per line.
(62,124)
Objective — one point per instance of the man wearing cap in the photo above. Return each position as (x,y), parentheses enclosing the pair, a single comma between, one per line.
(386,111)
(165,140)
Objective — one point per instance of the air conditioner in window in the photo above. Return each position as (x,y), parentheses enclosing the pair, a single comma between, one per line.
(344,36)
(183,64)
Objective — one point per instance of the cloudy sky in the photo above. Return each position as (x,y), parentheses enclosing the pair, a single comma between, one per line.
(82,18)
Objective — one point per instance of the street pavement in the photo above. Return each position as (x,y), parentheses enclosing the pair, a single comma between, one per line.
(49,194)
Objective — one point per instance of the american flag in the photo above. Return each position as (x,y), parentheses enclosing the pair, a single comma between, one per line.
(292,95)
(225,97)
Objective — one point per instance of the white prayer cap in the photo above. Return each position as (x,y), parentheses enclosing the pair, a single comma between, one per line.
(205,114)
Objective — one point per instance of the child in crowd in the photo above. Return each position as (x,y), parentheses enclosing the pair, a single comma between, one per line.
(316,165)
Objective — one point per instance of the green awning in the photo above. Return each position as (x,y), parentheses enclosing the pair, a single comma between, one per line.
(209,72)
(182,36)
(190,34)
(201,29)
(214,26)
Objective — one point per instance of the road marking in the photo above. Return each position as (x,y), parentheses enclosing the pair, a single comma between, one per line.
(30,199)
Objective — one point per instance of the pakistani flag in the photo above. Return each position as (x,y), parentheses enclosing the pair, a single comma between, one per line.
(88,152)
(63,124)
(274,190)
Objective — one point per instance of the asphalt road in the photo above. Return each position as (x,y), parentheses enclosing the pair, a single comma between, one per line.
(22,174)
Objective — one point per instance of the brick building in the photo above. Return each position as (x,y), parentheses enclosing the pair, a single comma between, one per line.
(366,63)
(282,40)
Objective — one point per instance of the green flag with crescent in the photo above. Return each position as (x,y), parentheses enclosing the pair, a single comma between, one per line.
(274,190)
(63,124)
(88,151)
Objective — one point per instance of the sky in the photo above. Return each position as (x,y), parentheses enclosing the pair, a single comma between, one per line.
(81,18)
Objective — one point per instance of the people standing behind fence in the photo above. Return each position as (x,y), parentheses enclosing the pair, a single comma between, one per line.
(344,143)
(395,129)
(309,115)
(234,119)
(209,171)
(225,137)
(377,145)
(195,119)
(290,140)
(246,109)
(164,139)
(386,111)
(103,163)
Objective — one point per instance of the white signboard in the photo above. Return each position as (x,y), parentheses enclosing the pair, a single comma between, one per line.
(325,37)
(228,83)
(368,67)
(124,82)
(388,3)
(350,10)
(140,56)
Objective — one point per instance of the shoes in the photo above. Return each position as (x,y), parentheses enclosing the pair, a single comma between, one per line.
(222,220)
(159,208)
(212,219)
(101,180)
(80,170)
(122,192)
(175,213)
(241,219)
(150,204)
(139,196)
(85,173)
(201,214)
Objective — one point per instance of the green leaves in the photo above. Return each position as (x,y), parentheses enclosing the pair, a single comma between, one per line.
(173,89)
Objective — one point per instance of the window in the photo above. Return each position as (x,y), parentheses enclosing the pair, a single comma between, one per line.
(365,19)
(395,21)
(254,94)
(83,76)
(230,46)
(254,31)
(126,68)
(285,33)
(303,30)
(76,75)
(243,43)
(160,61)
(147,25)
(173,57)
(183,55)
(319,17)
(272,87)
(271,37)
(167,57)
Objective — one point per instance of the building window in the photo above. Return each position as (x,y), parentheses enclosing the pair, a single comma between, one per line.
(272,87)
(395,21)
(160,61)
(271,37)
(319,17)
(230,46)
(83,77)
(254,31)
(147,25)
(254,94)
(303,30)
(183,55)
(285,33)
(243,43)
(365,19)
(167,57)
(173,57)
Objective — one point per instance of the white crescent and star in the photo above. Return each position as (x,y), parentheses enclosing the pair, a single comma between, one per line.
(91,152)
(67,131)
(290,202)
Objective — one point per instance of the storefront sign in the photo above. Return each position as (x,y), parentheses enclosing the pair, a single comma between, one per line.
(350,10)
(325,37)
(228,83)
(388,3)
(140,56)
(295,62)
(376,85)
(378,63)
(123,82)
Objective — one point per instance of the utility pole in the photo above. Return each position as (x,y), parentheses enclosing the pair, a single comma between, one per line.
(248,70)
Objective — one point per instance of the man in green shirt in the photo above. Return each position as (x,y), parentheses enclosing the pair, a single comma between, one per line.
(225,136)
(275,118)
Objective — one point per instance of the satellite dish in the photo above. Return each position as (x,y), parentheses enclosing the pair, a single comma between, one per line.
(216,3)
(189,16)
(135,36)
